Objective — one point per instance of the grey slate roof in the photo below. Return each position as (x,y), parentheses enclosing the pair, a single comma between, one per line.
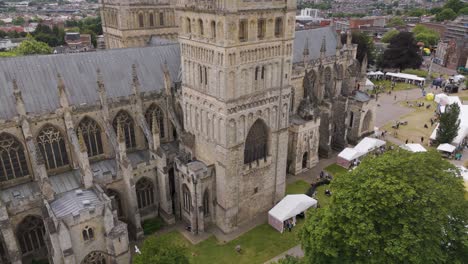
(18,192)
(315,37)
(37,76)
(71,203)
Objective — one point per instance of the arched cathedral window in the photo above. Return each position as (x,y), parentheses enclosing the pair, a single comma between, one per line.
(155,110)
(213,29)
(88,233)
(141,20)
(52,146)
(151,20)
(92,136)
(200,27)
(256,144)
(30,235)
(95,257)
(145,193)
(187,199)
(13,163)
(124,120)
(278,27)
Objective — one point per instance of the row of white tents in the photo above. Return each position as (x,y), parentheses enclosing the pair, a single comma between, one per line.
(348,155)
(408,78)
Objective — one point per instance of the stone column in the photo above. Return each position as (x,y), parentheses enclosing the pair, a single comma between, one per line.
(8,236)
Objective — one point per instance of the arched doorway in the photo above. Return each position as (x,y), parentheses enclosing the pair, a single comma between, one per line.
(30,233)
(305,159)
(366,122)
(95,257)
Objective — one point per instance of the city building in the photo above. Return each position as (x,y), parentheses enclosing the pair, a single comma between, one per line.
(202,130)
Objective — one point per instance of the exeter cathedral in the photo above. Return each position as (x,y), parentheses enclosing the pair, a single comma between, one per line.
(196,113)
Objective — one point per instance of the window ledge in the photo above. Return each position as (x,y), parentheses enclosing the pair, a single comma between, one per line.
(258,164)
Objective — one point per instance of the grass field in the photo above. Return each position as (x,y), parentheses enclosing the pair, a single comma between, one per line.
(298,187)
(398,86)
(258,245)
(335,170)
(416,120)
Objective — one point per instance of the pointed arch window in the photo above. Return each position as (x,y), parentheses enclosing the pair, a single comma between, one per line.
(30,235)
(52,146)
(200,27)
(151,20)
(155,110)
(206,203)
(92,136)
(13,162)
(141,20)
(95,257)
(278,27)
(256,144)
(187,199)
(126,122)
(88,233)
(145,193)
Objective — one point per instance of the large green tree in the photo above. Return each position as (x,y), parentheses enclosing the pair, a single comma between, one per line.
(446,14)
(448,124)
(157,250)
(399,207)
(365,46)
(31,47)
(395,21)
(389,35)
(424,34)
(402,52)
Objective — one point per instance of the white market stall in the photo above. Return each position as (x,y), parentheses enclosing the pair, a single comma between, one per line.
(407,78)
(369,85)
(348,155)
(446,148)
(288,208)
(413,148)
(443,100)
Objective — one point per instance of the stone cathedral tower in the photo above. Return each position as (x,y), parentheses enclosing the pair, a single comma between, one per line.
(236,58)
(132,23)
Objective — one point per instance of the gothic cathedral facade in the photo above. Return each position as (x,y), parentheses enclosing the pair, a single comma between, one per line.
(196,113)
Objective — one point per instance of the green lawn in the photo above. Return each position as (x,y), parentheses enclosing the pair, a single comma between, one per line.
(335,170)
(398,86)
(298,187)
(258,245)
(323,199)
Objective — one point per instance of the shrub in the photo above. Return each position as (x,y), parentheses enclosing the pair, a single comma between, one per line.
(152,225)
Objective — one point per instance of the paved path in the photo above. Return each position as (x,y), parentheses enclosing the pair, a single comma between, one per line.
(295,251)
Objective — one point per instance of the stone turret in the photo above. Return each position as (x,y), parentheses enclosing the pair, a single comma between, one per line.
(349,39)
(339,45)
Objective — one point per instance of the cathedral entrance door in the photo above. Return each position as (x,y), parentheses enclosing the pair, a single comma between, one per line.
(305,158)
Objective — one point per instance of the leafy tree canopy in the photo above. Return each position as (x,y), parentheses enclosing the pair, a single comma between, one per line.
(18,21)
(395,21)
(416,12)
(446,14)
(399,207)
(455,5)
(32,46)
(424,34)
(448,124)
(463,11)
(402,52)
(389,35)
(157,250)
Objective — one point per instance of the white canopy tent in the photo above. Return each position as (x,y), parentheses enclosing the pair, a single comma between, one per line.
(369,85)
(413,147)
(443,100)
(288,208)
(409,78)
(446,147)
(365,146)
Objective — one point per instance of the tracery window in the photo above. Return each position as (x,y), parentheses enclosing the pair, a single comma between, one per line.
(12,159)
(187,199)
(213,29)
(52,146)
(92,136)
(256,144)
(278,27)
(155,110)
(206,203)
(124,120)
(88,233)
(261,28)
(30,235)
(95,257)
(145,193)
(117,203)
(243,31)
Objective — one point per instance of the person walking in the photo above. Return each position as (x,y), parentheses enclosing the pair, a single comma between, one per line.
(422,140)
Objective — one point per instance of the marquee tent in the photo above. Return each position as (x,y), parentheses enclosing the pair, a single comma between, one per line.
(288,208)
(446,147)
(369,85)
(346,157)
(463,117)
(413,147)
(409,78)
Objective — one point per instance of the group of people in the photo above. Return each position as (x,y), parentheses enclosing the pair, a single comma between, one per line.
(289,224)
